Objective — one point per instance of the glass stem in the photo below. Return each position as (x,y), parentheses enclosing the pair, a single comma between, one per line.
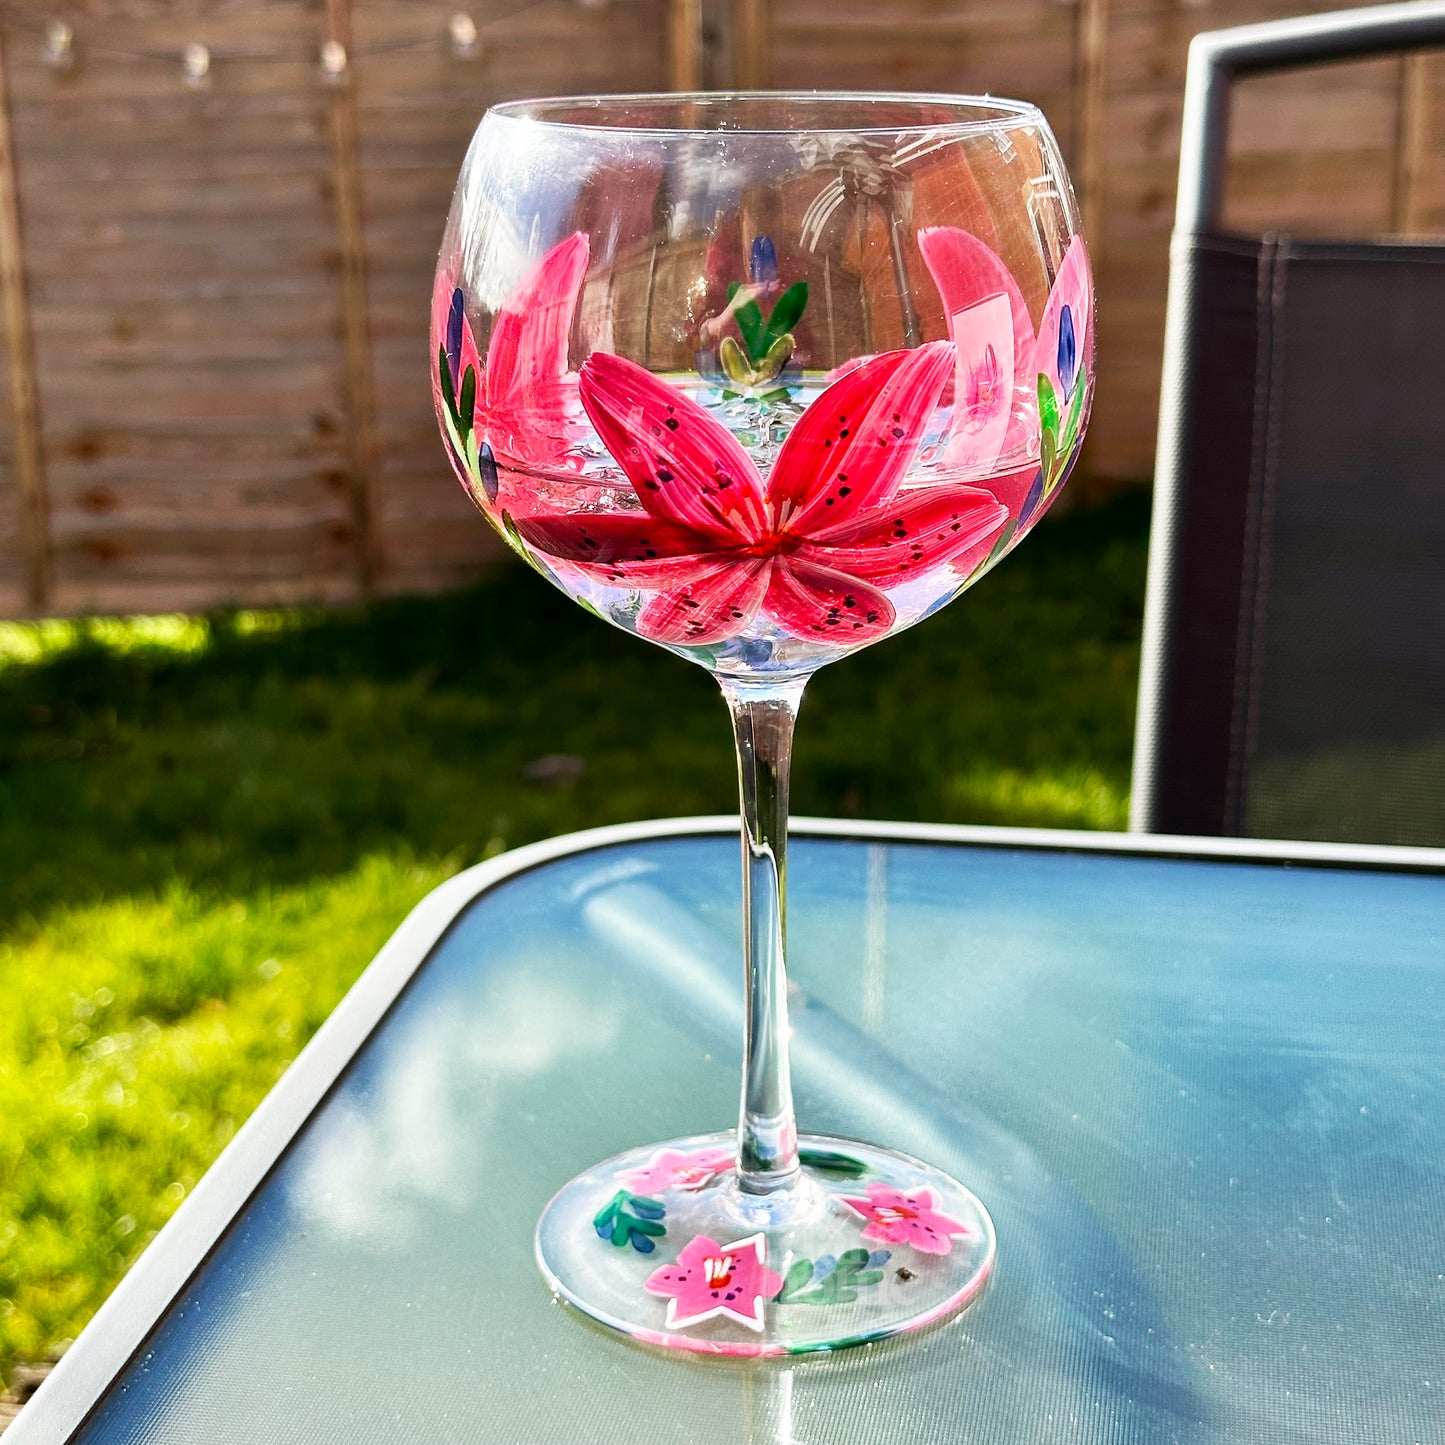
(763,719)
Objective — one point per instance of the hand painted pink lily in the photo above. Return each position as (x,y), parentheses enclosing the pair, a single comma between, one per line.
(812,546)
(516,411)
(899,1218)
(674,1169)
(998,388)
(712,1280)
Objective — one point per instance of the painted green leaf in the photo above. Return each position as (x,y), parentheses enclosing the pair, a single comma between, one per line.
(1076,412)
(776,359)
(448,394)
(746,373)
(631,1219)
(1004,538)
(512,535)
(799,1276)
(513,539)
(754,329)
(468,408)
(838,1286)
(1049,460)
(789,310)
(736,366)
(1048,407)
(831,1162)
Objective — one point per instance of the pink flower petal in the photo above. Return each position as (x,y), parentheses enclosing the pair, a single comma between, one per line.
(898,1218)
(684,464)
(918,532)
(529,337)
(712,607)
(984,385)
(673,1169)
(821,604)
(1074,288)
(851,448)
(540,433)
(638,551)
(712,1280)
(1012,488)
(966,272)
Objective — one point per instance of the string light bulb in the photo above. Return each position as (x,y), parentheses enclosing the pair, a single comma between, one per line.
(196,65)
(334,61)
(462,33)
(59,45)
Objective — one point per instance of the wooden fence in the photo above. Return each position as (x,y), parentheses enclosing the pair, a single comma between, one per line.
(218,220)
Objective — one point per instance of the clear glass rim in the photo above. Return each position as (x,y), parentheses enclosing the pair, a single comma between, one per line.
(571,112)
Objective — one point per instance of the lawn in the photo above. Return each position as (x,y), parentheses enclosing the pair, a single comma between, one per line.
(208,826)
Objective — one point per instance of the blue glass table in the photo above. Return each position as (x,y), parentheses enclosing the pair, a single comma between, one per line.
(1200,1086)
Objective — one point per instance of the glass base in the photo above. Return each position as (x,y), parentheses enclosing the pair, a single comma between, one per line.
(663,1244)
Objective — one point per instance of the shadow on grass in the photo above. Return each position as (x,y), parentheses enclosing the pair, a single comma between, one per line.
(267,751)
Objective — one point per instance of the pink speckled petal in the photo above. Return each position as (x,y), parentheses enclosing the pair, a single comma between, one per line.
(852,447)
(918,532)
(636,551)
(685,466)
(824,605)
(528,349)
(711,607)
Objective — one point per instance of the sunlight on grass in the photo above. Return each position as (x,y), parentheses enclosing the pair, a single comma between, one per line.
(1074,798)
(138,1034)
(22,642)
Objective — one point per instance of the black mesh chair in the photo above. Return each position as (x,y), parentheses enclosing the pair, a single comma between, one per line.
(1293,674)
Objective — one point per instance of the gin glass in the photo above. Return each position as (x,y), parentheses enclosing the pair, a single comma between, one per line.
(763,379)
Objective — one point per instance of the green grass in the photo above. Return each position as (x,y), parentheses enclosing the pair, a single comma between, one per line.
(208,826)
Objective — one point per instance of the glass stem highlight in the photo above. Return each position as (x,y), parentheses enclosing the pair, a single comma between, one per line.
(763,718)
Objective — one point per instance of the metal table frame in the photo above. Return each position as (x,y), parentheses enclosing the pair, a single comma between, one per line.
(138,1303)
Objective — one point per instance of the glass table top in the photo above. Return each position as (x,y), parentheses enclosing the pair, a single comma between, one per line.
(1204,1101)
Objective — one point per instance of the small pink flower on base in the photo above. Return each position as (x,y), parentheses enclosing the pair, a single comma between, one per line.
(712,1280)
(672,1169)
(899,1218)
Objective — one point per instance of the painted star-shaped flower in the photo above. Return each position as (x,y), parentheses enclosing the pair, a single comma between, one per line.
(674,1169)
(899,1218)
(710,1280)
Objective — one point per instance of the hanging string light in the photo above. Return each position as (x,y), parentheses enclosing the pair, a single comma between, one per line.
(59,45)
(196,65)
(333,61)
(462,33)
(462,37)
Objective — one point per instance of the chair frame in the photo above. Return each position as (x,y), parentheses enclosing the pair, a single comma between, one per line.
(1216,59)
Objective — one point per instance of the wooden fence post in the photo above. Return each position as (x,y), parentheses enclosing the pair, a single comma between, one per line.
(684,44)
(34,506)
(750,44)
(1091,58)
(1410,145)
(358,402)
